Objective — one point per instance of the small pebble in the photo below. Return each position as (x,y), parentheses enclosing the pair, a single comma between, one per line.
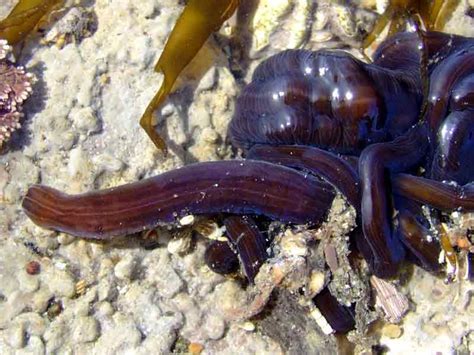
(85,120)
(55,307)
(40,300)
(392,331)
(15,336)
(316,282)
(35,345)
(107,289)
(125,267)
(214,326)
(187,220)
(33,268)
(208,80)
(195,348)
(61,284)
(104,309)
(247,326)
(65,239)
(85,329)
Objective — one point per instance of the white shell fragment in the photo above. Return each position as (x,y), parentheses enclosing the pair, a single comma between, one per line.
(393,303)
(187,220)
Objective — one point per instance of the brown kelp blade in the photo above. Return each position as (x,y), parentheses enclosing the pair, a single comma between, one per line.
(24,17)
(194,26)
(432,14)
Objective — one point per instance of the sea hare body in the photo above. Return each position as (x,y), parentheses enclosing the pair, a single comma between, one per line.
(238,187)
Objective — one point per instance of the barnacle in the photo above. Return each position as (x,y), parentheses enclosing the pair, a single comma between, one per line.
(15,87)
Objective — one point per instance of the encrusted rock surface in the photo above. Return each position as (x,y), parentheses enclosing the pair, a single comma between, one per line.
(94,71)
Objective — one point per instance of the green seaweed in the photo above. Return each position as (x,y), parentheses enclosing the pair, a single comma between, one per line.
(194,26)
(24,17)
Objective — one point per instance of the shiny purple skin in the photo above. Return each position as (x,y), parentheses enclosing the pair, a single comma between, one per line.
(220,258)
(238,187)
(340,318)
(332,101)
(316,161)
(327,99)
(454,159)
(250,244)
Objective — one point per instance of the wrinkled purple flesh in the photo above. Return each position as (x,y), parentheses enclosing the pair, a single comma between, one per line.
(220,258)
(249,243)
(439,195)
(413,231)
(319,162)
(237,187)
(375,162)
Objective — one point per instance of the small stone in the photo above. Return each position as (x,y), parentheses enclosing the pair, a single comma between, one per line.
(187,220)
(125,267)
(294,244)
(209,135)
(104,309)
(195,348)
(106,290)
(214,326)
(65,239)
(40,300)
(85,120)
(167,110)
(83,304)
(55,335)
(54,309)
(27,282)
(316,283)
(60,282)
(108,162)
(247,326)
(78,163)
(123,335)
(106,267)
(321,321)
(33,268)
(392,331)
(15,336)
(35,345)
(85,329)
(208,80)
(33,323)
(161,274)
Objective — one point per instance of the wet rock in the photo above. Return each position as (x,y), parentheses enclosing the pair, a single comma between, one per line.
(15,336)
(125,267)
(85,329)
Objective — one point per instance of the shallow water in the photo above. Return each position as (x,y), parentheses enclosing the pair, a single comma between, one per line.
(81,133)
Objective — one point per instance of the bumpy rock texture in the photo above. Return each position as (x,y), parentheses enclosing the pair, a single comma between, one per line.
(94,70)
